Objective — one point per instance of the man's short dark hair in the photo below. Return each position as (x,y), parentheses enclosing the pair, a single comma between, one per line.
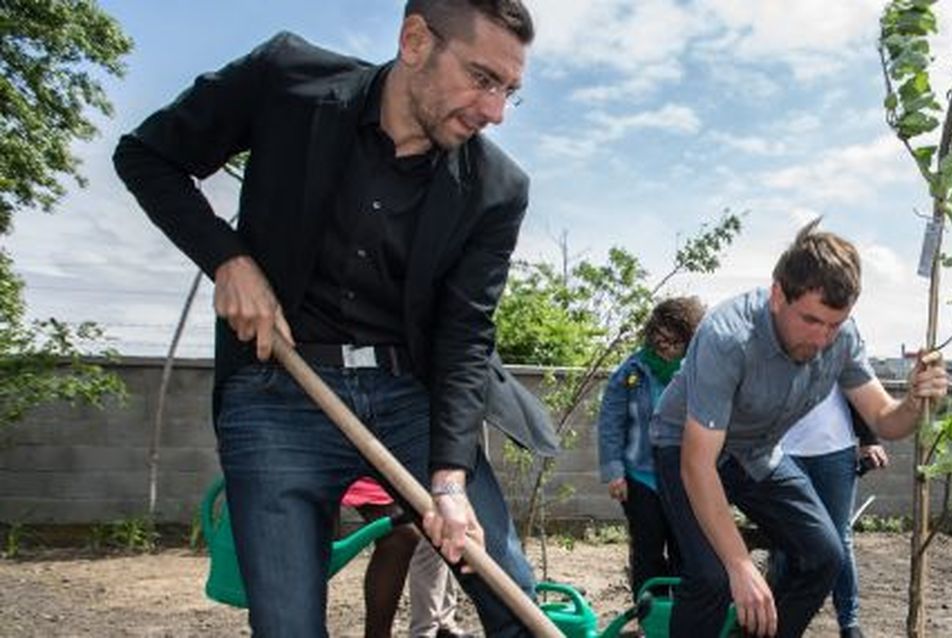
(453,18)
(823,262)
(677,316)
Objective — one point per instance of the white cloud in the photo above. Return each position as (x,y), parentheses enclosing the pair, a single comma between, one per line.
(360,44)
(634,87)
(800,123)
(605,129)
(769,26)
(574,147)
(615,34)
(644,42)
(884,264)
(846,175)
(813,37)
(740,82)
(803,216)
(674,118)
(749,144)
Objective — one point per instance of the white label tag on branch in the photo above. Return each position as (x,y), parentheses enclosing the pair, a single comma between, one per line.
(930,247)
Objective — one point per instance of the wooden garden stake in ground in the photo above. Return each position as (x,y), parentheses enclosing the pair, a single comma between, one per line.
(911,111)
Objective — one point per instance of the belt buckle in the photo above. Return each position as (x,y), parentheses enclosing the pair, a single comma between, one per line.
(355,357)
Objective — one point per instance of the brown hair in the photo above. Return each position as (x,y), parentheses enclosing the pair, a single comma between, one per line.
(453,18)
(823,262)
(677,315)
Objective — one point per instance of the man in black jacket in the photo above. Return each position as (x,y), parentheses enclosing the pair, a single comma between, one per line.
(375,231)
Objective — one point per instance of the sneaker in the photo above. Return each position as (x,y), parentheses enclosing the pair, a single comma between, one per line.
(851,632)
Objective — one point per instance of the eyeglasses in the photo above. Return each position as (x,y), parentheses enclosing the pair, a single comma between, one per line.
(666,340)
(482,79)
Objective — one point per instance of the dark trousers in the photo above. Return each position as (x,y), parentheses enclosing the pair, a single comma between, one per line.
(652,550)
(786,508)
(286,467)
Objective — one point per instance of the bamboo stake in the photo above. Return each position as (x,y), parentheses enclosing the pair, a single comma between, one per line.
(918,564)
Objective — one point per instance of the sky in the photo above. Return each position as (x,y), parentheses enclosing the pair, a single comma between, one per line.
(642,120)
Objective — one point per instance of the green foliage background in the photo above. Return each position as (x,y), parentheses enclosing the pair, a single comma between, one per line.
(50,53)
(581,320)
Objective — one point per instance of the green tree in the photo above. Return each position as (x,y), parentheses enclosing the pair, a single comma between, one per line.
(49,53)
(537,322)
(913,112)
(583,320)
(576,315)
(44,360)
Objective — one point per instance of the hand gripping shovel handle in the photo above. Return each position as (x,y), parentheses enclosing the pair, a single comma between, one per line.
(408,487)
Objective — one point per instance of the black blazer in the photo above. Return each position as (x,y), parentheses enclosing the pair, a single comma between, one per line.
(296,107)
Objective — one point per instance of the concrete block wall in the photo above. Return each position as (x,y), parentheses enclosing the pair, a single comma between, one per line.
(73,465)
(67,464)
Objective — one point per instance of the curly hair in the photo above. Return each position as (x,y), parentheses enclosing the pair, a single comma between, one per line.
(823,262)
(678,316)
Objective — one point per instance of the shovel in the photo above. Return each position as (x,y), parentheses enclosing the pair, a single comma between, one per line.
(408,487)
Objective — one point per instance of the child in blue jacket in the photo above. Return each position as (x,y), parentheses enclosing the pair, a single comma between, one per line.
(624,449)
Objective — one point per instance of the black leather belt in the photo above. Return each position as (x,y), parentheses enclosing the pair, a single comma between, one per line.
(396,359)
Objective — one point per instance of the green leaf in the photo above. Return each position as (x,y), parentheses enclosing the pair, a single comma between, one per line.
(913,124)
(915,87)
(924,155)
(908,63)
(926,102)
(942,188)
(891,102)
(917,21)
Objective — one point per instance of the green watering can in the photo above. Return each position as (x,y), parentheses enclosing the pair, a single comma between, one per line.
(225,584)
(654,609)
(572,614)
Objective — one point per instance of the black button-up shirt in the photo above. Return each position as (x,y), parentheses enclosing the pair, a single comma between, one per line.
(356,291)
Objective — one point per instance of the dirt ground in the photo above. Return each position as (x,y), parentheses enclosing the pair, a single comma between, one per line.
(67,593)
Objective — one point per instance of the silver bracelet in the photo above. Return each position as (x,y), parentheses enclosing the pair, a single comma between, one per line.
(447,488)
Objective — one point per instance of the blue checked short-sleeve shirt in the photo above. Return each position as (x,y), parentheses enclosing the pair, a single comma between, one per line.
(736,377)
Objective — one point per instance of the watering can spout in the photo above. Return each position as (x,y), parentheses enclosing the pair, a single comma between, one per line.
(225,584)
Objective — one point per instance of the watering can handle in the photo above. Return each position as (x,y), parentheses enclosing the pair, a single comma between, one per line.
(407,486)
(209,528)
(656,582)
(566,590)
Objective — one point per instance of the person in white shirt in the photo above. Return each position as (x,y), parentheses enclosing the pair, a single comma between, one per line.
(833,445)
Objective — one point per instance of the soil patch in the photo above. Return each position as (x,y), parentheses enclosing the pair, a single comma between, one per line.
(66,592)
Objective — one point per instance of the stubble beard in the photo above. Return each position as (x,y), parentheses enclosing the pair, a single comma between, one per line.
(804,353)
(428,112)
(430,123)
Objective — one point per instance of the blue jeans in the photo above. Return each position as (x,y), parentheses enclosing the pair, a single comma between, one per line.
(787,509)
(834,478)
(286,467)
